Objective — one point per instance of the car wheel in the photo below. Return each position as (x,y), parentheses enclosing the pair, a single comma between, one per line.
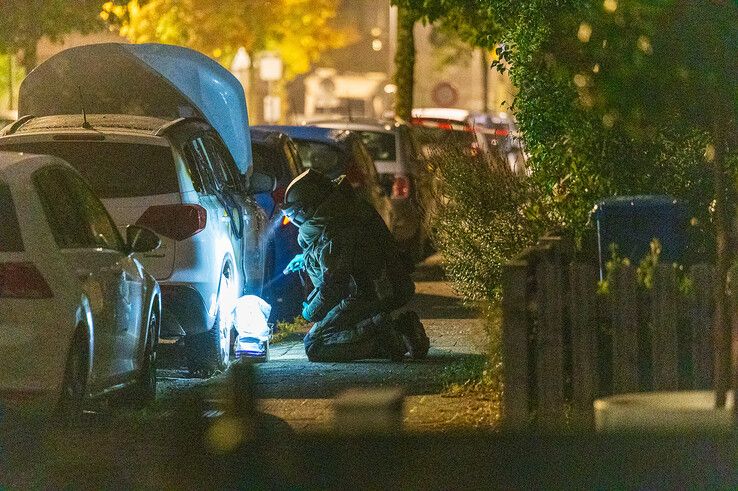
(74,388)
(209,352)
(143,392)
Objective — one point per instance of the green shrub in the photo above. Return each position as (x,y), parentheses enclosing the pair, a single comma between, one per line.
(482,215)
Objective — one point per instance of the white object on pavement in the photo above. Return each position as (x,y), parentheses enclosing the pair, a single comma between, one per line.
(251,315)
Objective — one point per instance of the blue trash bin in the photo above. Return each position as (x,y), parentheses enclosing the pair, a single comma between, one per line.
(632,222)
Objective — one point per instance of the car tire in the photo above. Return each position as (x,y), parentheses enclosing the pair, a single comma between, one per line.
(74,395)
(209,352)
(143,390)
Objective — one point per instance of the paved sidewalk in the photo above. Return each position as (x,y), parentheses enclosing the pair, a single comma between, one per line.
(302,393)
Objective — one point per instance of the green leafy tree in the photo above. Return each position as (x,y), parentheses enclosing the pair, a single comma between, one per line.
(24,22)
(300,30)
(644,65)
(622,97)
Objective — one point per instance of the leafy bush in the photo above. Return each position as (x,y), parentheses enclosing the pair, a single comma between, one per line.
(482,215)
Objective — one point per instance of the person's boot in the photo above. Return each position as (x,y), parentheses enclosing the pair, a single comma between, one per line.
(390,343)
(413,333)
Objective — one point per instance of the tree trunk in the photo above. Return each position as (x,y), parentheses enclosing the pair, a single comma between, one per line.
(722,332)
(485,79)
(404,64)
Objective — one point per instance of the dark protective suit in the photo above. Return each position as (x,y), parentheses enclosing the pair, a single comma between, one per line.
(359,276)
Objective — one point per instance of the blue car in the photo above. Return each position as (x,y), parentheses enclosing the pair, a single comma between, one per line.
(275,154)
(337,152)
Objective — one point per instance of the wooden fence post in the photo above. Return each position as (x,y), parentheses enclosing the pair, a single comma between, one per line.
(583,311)
(549,341)
(701,320)
(665,305)
(625,330)
(515,344)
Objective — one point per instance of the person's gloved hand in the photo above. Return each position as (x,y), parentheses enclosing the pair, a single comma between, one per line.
(305,305)
(296,264)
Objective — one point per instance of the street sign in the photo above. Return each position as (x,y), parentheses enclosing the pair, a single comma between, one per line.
(445,95)
(270,67)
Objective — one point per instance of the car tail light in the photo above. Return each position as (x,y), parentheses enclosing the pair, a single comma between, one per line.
(401,187)
(22,280)
(176,222)
(501,132)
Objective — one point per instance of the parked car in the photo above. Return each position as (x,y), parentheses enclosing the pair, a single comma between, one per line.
(275,154)
(176,175)
(79,315)
(398,165)
(493,134)
(433,142)
(339,152)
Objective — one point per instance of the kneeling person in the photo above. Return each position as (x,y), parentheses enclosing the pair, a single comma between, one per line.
(358,274)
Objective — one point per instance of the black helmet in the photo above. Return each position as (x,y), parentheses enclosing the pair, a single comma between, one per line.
(304,194)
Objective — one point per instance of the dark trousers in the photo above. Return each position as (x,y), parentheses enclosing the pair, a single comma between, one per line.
(356,328)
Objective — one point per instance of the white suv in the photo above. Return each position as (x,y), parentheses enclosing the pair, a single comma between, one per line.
(179,179)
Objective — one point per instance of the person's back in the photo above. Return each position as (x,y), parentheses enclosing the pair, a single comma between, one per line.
(357,271)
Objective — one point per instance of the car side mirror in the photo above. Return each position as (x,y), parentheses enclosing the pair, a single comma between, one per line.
(141,239)
(261,183)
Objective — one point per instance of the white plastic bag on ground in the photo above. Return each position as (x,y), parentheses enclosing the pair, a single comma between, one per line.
(251,315)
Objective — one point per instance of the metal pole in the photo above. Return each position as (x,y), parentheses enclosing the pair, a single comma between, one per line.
(11,90)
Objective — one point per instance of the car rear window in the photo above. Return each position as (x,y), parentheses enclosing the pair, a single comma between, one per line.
(10,234)
(321,157)
(381,146)
(114,170)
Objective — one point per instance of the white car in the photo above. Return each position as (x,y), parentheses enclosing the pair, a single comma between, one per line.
(79,316)
(178,176)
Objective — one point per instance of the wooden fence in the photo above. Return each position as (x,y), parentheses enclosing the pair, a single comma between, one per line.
(565,344)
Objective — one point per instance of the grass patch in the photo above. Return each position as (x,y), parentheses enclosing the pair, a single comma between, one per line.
(479,376)
(471,376)
(284,329)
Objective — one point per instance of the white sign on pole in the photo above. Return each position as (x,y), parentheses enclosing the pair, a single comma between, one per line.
(270,67)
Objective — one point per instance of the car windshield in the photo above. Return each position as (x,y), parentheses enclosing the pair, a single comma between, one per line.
(321,157)
(10,235)
(114,170)
(381,145)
